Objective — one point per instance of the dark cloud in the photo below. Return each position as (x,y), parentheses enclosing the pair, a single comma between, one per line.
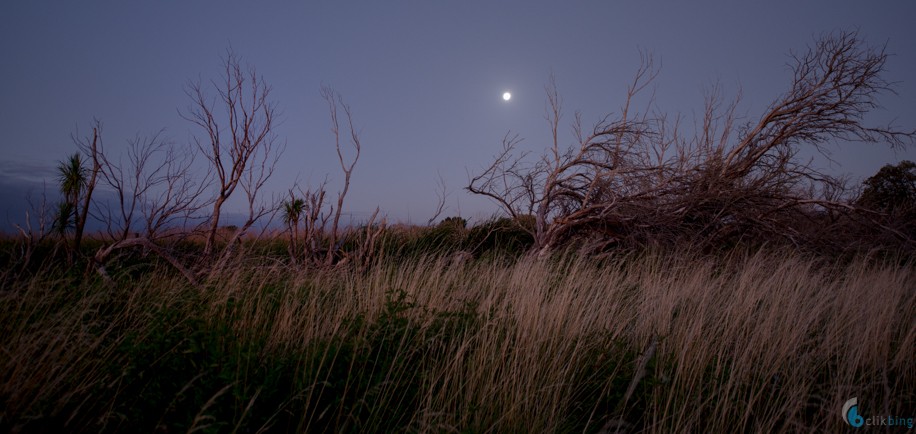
(24,185)
(26,172)
(19,196)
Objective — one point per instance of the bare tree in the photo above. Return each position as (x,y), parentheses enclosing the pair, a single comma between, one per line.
(441,196)
(314,221)
(36,227)
(367,241)
(335,101)
(154,189)
(252,184)
(562,188)
(156,198)
(239,141)
(636,177)
(306,221)
(175,204)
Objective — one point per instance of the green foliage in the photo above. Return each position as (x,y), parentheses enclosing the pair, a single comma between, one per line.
(64,218)
(447,236)
(292,211)
(71,175)
(456,222)
(173,363)
(501,236)
(892,189)
(497,237)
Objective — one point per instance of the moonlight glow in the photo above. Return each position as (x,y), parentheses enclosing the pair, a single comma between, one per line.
(507,96)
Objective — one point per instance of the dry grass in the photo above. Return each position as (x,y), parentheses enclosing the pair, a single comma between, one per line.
(769,342)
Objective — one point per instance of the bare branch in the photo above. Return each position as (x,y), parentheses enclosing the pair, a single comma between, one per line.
(249,154)
(334,100)
(636,178)
(442,196)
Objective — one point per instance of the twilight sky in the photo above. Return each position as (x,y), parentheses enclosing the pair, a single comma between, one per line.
(424,78)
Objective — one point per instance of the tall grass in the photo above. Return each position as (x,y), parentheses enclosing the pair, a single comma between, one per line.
(766,342)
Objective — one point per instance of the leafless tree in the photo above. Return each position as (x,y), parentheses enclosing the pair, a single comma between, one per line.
(239,140)
(441,196)
(636,177)
(157,197)
(335,104)
(562,189)
(367,241)
(154,187)
(258,207)
(313,219)
(36,227)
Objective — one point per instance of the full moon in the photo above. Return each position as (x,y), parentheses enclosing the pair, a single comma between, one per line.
(507,96)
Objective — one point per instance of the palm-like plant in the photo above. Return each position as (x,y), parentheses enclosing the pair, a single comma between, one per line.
(72,178)
(63,219)
(292,214)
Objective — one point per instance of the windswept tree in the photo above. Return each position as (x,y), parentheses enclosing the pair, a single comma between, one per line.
(636,177)
(238,141)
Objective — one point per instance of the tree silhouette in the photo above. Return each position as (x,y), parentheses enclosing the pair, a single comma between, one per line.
(292,215)
(636,178)
(238,141)
(71,175)
(892,190)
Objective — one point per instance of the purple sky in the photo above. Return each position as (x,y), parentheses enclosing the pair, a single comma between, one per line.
(424,78)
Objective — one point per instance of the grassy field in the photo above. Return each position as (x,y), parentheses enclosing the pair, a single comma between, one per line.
(651,342)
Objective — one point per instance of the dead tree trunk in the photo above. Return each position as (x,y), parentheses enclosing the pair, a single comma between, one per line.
(334,99)
(249,152)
